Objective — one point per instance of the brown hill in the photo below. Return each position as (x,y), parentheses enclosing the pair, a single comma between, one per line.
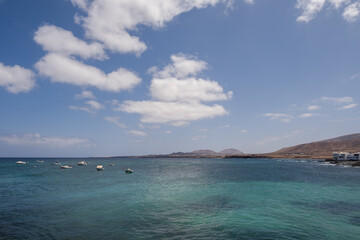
(347,143)
(203,152)
(231,151)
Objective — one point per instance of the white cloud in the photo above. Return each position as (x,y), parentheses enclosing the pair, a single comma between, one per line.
(178,94)
(310,8)
(351,12)
(313,107)
(37,140)
(16,79)
(181,66)
(58,40)
(85,94)
(348,106)
(116,121)
(85,109)
(225,126)
(138,133)
(337,100)
(110,21)
(189,89)
(244,131)
(168,132)
(307,115)
(249,1)
(177,82)
(174,113)
(338,3)
(68,70)
(82,4)
(95,105)
(279,116)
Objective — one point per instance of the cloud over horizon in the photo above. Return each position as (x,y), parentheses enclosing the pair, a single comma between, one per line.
(38,140)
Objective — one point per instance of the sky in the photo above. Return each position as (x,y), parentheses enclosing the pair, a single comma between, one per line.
(86,78)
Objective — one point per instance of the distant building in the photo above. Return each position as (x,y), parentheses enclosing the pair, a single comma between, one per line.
(342,156)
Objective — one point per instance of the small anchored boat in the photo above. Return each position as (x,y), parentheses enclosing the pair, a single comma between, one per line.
(65,167)
(21,162)
(56,163)
(129,170)
(100,167)
(112,164)
(82,163)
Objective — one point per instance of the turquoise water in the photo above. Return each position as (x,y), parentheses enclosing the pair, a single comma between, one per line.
(179,199)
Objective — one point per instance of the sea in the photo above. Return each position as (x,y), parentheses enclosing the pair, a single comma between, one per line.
(179,199)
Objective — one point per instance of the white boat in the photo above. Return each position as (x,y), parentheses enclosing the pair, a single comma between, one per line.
(82,163)
(56,163)
(112,164)
(100,167)
(65,167)
(21,162)
(129,170)
(39,161)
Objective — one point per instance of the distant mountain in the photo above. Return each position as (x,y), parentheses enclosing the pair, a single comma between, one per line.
(203,152)
(207,152)
(231,151)
(347,143)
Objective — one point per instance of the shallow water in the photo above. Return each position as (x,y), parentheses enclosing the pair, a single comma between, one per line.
(179,199)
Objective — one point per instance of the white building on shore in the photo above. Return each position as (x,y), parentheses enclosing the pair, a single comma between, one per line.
(342,156)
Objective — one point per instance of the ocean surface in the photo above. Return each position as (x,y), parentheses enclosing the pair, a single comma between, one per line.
(179,199)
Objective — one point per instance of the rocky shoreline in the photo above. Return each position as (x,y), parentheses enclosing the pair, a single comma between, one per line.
(350,163)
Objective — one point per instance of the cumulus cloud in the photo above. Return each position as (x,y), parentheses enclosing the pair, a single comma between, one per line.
(175,113)
(116,121)
(58,40)
(189,89)
(64,69)
(279,116)
(351,12)
(16,79)
(177,82)
(82,4)
(85,94)
(178,94)
(38,140)
(110,21)
(309,9)
(181,66)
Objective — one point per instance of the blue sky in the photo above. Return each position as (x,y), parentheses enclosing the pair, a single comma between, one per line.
(118,77)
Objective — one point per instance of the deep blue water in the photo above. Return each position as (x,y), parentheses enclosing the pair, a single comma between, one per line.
(179,199)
